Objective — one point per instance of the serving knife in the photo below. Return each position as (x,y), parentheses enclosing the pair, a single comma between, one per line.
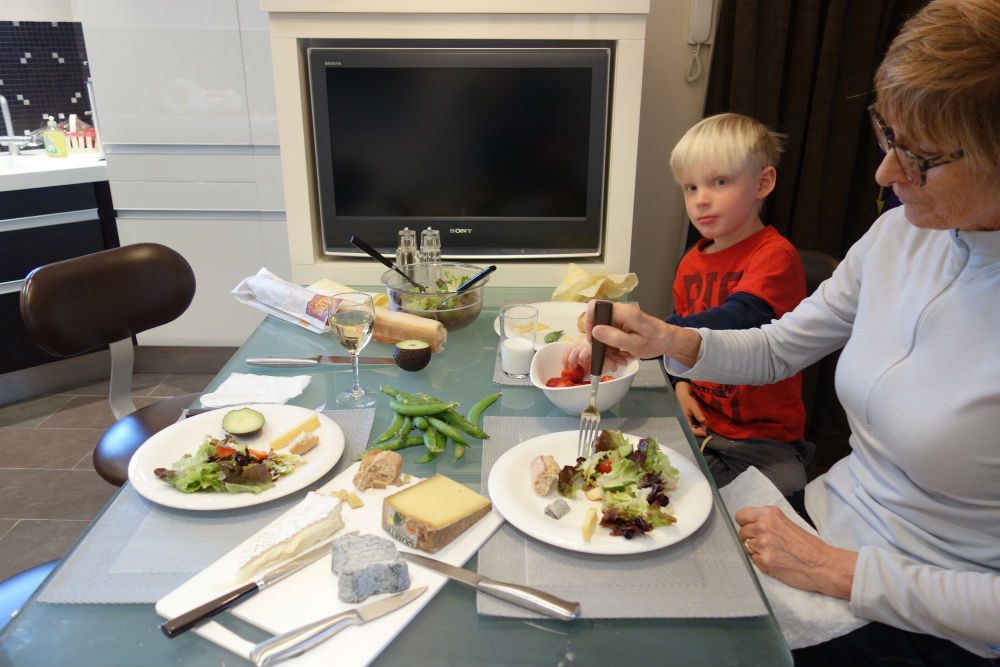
(181,624)
(295,642)
(321,360)
(522,596)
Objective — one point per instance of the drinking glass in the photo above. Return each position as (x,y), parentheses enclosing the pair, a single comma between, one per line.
(517,339)
(352,320)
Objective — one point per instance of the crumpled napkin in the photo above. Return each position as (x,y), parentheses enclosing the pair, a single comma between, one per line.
(250,388)
(805,618)
(581,285)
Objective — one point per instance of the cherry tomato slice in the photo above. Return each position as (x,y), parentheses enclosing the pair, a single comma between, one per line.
(604,465)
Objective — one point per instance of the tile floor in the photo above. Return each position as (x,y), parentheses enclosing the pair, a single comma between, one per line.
(49,491)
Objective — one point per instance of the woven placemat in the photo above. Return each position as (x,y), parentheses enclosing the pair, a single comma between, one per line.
(702,576)
(137,552)
(650,376)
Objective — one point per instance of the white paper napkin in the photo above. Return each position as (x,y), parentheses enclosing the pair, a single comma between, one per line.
(805,618)
(250,388)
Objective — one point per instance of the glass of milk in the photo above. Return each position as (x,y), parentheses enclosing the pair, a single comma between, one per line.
(518,324)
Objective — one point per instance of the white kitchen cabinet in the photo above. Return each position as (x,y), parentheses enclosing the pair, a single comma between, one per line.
(222,252)
(258,73)
(167,72)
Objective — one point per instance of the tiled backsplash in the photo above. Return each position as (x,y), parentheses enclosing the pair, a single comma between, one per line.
(43,72)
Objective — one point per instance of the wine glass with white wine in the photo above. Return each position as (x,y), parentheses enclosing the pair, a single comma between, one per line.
(352,320)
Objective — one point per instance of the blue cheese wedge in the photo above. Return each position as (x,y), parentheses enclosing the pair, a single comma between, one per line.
(367,565)
(313,520)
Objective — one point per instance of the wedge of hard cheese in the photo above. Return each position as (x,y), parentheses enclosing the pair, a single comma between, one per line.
(313,520)
(432,513)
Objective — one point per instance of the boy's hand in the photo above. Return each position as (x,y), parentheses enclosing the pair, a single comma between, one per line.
(691,408)
(579,355)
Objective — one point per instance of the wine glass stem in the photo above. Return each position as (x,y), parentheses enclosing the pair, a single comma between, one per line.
(356,389)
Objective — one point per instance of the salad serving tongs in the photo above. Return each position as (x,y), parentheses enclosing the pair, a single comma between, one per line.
(590,419)
(375,254)
(469,283)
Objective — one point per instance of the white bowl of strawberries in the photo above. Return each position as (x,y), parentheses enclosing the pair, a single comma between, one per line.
(569,389)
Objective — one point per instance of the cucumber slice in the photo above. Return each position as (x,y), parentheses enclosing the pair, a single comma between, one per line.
(245,422)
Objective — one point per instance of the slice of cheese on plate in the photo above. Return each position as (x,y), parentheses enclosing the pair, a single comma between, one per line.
(310,522)
(309,424)
(432,513)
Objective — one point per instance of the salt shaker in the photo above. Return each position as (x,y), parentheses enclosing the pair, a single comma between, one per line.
(430,245)
(406,251)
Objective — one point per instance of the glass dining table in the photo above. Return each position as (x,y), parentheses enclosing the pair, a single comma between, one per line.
(448,631)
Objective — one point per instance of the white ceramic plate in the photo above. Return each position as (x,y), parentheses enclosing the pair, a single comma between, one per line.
(555,316)
(512,495)
(184,437)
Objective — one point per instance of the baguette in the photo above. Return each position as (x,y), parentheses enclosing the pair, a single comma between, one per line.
(544,474)
(390,326)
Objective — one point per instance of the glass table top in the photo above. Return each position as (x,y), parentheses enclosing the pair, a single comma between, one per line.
(447,631)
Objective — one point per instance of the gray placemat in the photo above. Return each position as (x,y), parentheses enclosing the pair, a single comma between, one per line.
(137,552)
(702,576)
(650,376)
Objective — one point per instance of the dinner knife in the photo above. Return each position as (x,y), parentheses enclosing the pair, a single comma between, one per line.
(522,596)
(295,642)
(321,360)
(181,624)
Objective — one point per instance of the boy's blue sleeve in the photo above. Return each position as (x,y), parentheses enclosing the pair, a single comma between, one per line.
(739,311)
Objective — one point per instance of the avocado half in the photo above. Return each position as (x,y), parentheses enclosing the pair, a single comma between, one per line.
(411,355)
(244,422)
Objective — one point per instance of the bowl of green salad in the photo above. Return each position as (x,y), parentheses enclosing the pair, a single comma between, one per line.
(438,299)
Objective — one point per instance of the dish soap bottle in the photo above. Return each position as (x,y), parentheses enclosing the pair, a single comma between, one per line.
(55,140)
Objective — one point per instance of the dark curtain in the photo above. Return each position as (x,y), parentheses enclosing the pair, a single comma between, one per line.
(806,69)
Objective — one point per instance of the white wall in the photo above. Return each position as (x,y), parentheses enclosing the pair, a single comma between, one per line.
(670,106)
(38,10)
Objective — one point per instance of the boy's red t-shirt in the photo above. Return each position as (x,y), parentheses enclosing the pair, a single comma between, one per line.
(766,266)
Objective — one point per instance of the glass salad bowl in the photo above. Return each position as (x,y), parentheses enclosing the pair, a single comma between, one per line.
(438,300)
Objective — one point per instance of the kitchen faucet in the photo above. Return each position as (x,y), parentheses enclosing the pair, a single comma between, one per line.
(12,142)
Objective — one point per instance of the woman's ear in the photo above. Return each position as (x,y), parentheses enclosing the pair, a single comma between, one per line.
(766,181)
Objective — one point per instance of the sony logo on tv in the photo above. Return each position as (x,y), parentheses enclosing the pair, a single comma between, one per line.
(333,63)
(460,230)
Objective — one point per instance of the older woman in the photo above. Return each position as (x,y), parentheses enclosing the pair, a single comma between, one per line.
(910,521)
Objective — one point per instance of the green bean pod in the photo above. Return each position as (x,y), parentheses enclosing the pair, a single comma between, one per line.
(428,457)
(404,430)
(434,441)
(392,430)
(463,424)
(420,423)
(480,407)
(459,452)
(448,430)
(421,410)
(395,444)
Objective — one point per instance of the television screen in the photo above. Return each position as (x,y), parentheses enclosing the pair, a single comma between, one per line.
(502,150)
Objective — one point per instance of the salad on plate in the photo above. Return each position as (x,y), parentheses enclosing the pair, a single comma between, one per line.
(228,466)
(631,483)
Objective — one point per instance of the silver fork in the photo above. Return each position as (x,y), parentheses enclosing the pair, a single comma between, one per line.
(590,419)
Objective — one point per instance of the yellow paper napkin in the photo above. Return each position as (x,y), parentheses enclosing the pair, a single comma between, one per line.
(581,285)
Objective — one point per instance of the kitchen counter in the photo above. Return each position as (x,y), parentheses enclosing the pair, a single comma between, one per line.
(34,169)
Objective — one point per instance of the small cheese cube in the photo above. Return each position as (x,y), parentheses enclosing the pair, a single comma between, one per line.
(432,513)
(307,425)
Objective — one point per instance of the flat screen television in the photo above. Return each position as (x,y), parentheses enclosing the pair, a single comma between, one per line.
(503,149)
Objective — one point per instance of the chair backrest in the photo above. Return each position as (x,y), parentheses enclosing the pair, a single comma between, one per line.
(103,300)
(826,423)
(86,303)
(818,267)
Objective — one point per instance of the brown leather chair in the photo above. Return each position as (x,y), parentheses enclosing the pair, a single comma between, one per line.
(103,300)
(826,423)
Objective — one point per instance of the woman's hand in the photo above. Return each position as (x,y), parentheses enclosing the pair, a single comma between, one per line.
(786,552)
(692,408)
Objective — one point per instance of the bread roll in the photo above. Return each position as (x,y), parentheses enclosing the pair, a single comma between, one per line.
(544,474)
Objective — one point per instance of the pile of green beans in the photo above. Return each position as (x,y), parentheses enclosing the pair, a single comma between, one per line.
(435,422)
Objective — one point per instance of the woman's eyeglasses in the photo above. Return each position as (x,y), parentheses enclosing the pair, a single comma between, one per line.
(914,166)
